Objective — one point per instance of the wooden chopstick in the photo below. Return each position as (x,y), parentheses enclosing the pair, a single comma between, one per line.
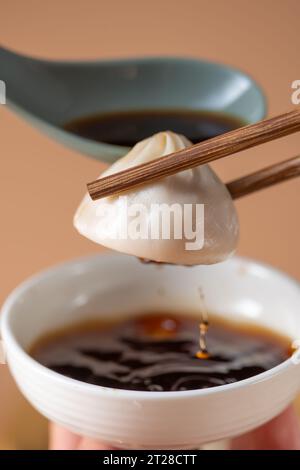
(198,154)
(264,178)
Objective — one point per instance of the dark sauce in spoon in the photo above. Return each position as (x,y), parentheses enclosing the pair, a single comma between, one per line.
(160,352)
(129,127)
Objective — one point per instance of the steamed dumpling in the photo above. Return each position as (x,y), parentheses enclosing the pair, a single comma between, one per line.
(109,222)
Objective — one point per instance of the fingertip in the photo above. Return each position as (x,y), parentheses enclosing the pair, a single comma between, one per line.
(92,444)
(62,439)
(281,433)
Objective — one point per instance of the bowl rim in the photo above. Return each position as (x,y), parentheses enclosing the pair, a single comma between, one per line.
(9,338)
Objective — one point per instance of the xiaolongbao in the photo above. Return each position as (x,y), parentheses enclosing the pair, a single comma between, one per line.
(187,218)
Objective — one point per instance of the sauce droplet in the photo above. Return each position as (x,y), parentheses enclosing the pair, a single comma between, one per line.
(203,328)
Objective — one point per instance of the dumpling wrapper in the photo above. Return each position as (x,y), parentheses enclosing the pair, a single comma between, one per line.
(194,186)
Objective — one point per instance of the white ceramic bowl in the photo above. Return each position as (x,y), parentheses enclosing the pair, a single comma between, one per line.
(115,285)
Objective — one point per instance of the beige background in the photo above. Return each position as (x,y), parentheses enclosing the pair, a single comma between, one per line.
(261,37)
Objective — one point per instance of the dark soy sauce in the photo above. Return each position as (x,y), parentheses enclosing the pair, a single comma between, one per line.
(128,128)
(161,353)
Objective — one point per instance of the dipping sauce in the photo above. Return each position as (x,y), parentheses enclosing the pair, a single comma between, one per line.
(158,352)
(129,127)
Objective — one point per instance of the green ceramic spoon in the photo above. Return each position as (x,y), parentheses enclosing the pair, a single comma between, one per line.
(51,93)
